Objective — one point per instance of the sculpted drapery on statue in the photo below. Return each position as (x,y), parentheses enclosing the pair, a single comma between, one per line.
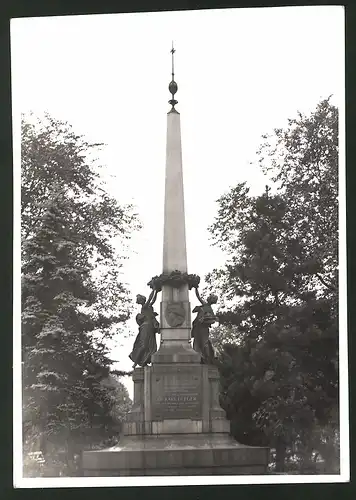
(200,331)
(145,344)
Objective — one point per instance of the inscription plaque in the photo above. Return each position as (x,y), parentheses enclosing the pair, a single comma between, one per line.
(177,393)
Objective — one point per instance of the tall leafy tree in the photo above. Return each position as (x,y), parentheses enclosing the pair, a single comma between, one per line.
(54,157)
(72,296)
(280,372)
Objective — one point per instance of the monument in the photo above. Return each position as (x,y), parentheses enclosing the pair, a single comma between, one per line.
(176,425)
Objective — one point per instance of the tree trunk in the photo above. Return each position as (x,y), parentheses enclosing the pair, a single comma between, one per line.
(280,456)
(70,452)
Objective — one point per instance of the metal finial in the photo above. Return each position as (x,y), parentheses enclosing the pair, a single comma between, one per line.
(173,87)
(172,52)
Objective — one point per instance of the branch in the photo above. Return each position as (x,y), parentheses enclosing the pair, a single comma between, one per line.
(328,285)
(121,373)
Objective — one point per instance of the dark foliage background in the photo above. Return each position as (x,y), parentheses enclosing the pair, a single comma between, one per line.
(278,334)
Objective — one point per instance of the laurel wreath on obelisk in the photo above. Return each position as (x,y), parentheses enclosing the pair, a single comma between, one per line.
(175,279)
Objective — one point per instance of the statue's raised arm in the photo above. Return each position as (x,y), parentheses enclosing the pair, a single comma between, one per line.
(152,298)
(198,297)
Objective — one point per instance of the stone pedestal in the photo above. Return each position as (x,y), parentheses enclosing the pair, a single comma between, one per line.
(176,427)
(176,398)
(176,455)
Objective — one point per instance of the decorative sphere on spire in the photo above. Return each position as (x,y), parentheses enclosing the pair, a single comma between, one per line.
(173,87)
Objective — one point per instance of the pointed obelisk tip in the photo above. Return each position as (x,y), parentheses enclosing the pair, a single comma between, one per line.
(173,87)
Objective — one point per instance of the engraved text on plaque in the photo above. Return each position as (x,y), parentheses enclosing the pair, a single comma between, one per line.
(177,393)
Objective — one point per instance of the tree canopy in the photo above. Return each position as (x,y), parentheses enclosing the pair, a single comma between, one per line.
(278,332)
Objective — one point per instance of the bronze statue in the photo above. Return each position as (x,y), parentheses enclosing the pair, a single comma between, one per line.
(145,344)
(200,331)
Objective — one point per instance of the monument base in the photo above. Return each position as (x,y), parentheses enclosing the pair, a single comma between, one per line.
(176,427)
(172,455)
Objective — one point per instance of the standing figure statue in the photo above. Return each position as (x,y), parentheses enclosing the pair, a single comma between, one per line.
(145,344)
(200,331)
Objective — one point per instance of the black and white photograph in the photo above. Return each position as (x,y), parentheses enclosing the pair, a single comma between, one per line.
(180,248)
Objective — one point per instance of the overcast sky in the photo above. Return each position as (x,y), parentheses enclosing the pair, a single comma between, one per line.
(240,73)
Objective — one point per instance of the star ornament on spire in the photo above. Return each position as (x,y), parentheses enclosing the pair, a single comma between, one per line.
(173,87)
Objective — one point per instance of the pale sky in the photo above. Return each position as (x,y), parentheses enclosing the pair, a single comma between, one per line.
(240,73)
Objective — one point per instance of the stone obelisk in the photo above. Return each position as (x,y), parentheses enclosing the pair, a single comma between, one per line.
(176,425)
(175,309)
(174,240)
